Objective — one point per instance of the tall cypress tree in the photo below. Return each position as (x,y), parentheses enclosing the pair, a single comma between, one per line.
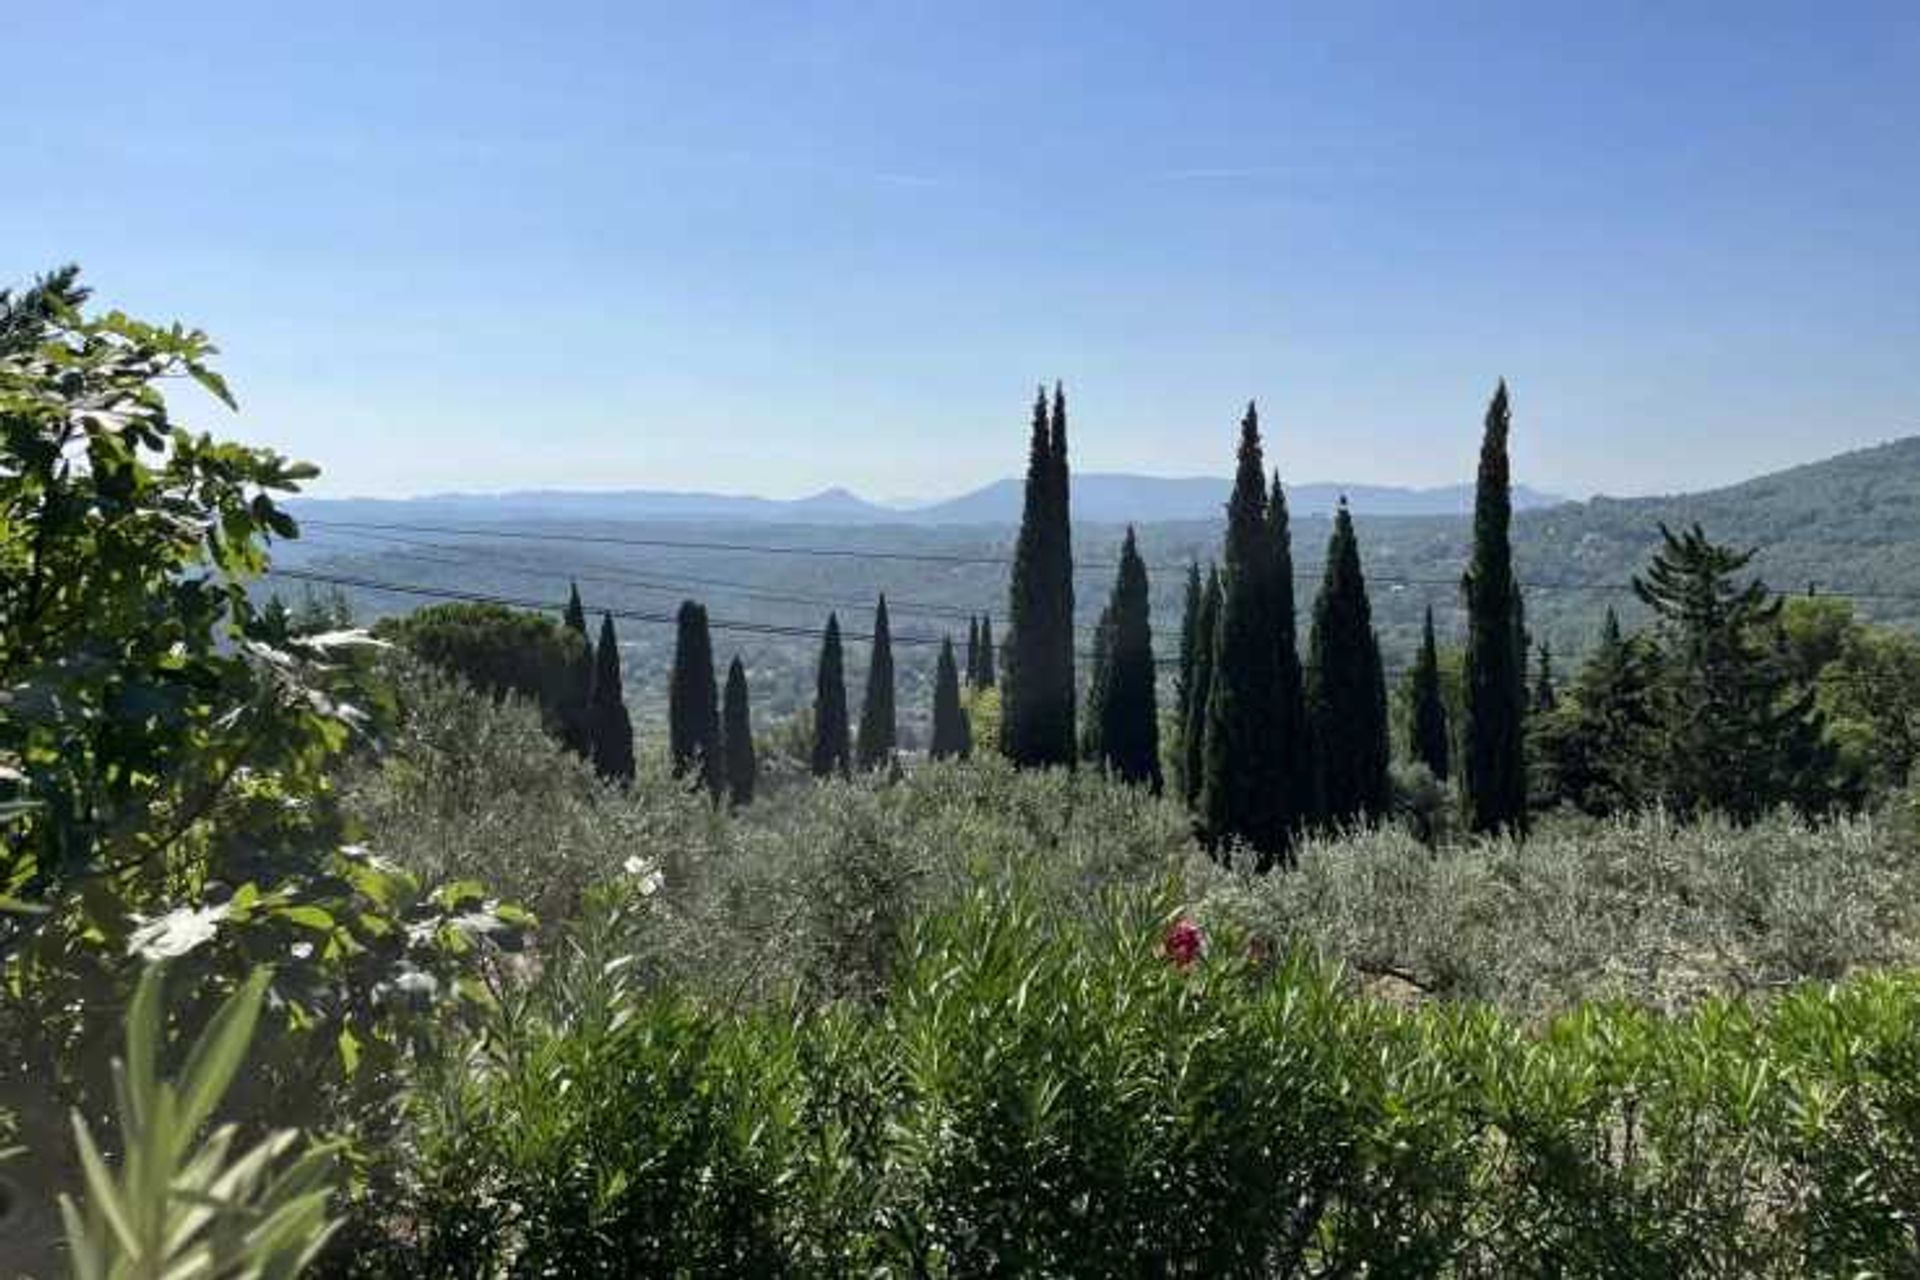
(831,748)
(611,727)
(988,674)
(973,652)
(576,614)
(879,726)
(1036,721)
(736,736)
(952,739)
(1545,696)
(576,726)
(1091,724)
(1346,688)
(1240,787)
(1129,744)
(693,703)
(1291,733)
(1428,708)
(1183,679)
(1193,731)
(1493,774)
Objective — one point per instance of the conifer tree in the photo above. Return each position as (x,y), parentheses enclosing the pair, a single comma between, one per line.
(879,725)
(831,746)
(1183,679)
(973,652)
(1240,789)
(1193,731)
(989,676)
(1737,737)
(612,728)
(1600,748)
(1037,720)
(1129,738)
(1346,689)
(1545,696)
(1427,722)
(952,739)
(736,737)
(576,614)
(1493,774)
(1292,734)
(693,702)
(1092,724)
(576,729)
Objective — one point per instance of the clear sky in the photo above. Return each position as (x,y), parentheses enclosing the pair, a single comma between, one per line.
(772,247)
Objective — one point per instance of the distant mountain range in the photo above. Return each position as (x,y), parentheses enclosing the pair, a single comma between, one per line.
(1098,498)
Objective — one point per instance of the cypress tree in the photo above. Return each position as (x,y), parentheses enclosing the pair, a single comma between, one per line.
(736,736)
(1601,749)
(1092,725)
(988,677)
(1037,721)
(1428,718)
(1346,688)
(611,727)
(879,726)
(973,652)
(1129,741)
(1193,730)
(693,703)
(1183,679)
(831,750)
(1545,696)
(952,739)
(1291,733)
(1493,775)
(1240,787)
(576,728)
(576,614)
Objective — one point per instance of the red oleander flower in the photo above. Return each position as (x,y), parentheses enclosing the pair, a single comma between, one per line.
(1184,942)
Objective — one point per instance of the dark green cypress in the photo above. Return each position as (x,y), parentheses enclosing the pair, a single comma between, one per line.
(611,727)
(693,703)
(576,614)
(575,716)
(952,739)
(1129,744)
(1037,721)
(1240,789)
(1193,731)
(879,725)
(736,737)
(1545,696)
(1291,733)
(1346,689)
(831,749)
(973,652)
(1091,724)
(1427,720)
(988,676)
(1183,680)
(1493,775)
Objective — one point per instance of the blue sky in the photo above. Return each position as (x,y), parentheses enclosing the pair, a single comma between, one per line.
(775,247)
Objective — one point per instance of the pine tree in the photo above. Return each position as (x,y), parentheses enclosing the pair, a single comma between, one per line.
(1183,680)
(1092,724)
(612,729)
(1545,696)
(575,717)
(1737,737)
(1240,789)
(879,726)
(1493,775)
(831,749)
(1129,740)
(988,675)
(1599,750)
(1428,718)
(693,703)
(1346,689)
(1037,720)
(1292,734)
(736,737)
(952,740)
(1193,731)
(973,652)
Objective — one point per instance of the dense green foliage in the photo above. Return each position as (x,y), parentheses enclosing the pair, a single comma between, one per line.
(1037,725)
(736,738)
(1193,724)
(504,651)
(609,727)
(832,738)
(1346,692)
(1292,732)
(952,736)
(1128,712)
(1493,765)
(693,706)
(1428,737)
(879,726)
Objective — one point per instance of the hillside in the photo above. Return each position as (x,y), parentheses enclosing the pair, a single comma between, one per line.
(1849,523)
